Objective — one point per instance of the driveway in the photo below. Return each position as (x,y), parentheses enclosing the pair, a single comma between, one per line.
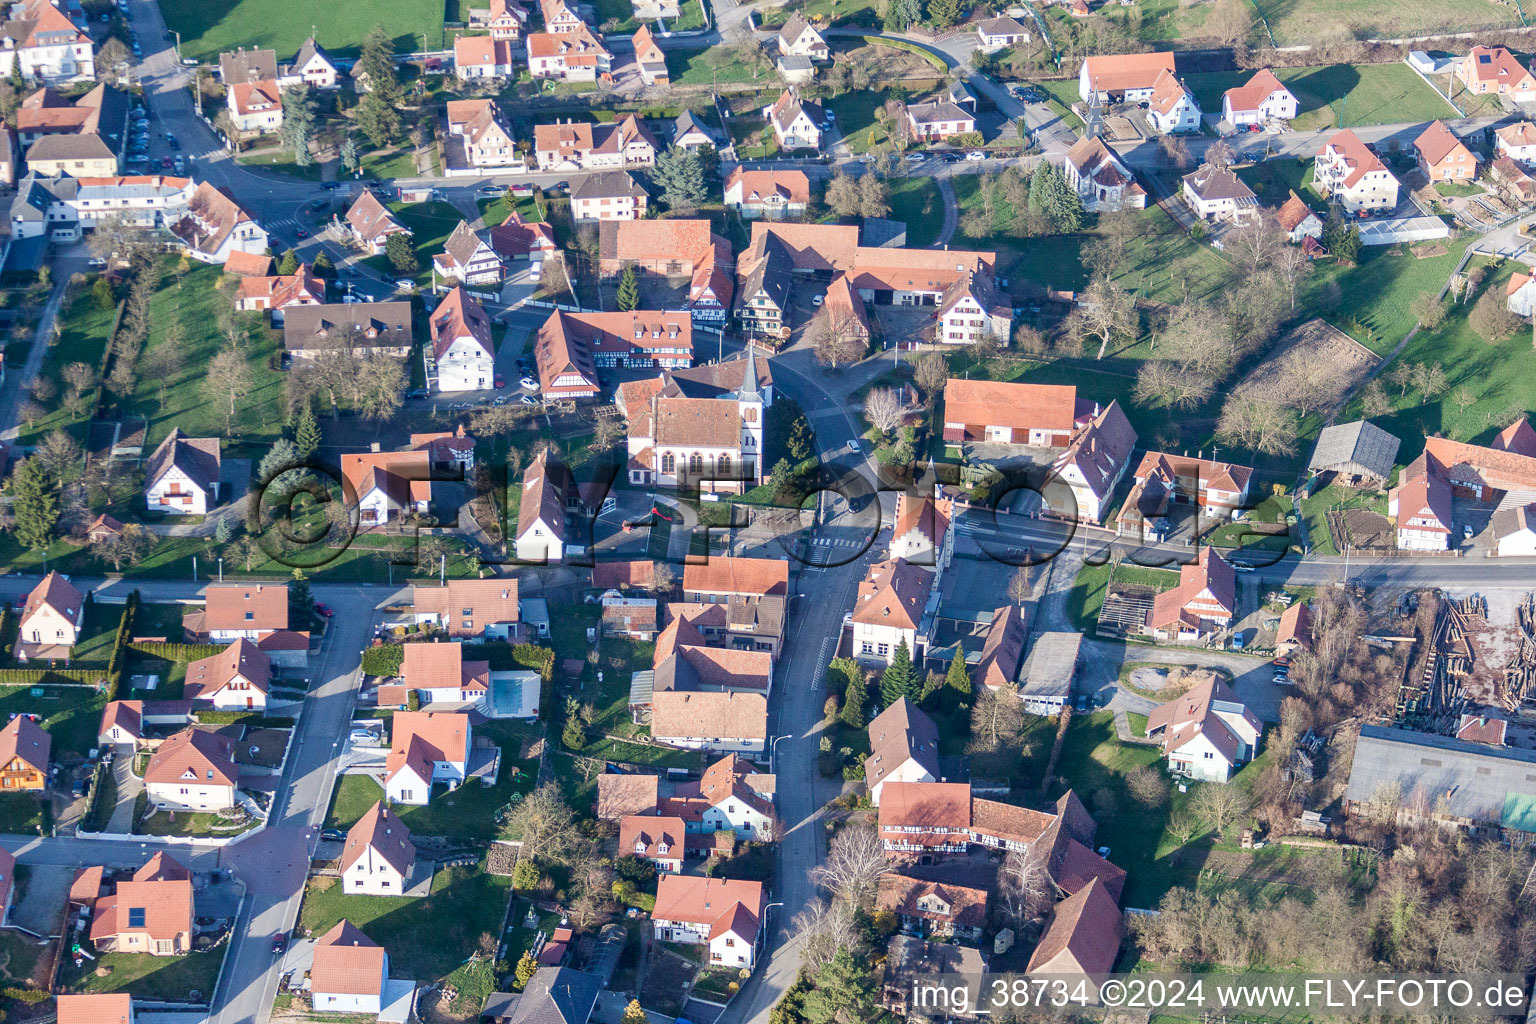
(129,786)
(41,909)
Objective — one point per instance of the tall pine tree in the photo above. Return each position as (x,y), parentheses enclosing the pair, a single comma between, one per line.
(306,432)
(34,504)
(298,122)
(855,697)
(959,678)
(900,678)
(845,990)
(629,291)
(943,13)
(378,115)
(680,174)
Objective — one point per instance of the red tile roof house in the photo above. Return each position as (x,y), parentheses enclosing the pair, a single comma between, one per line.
(655,838)
(541,510)
(973,308)
(721,722)
(349,972)
(725,914)
(999,412)
(182,476)
(1422,500)
(152,913)
(51,619)
(1171,107)
(1122,78)
(720,578)
(238,677)
(388,486)
(732,794)
(1494,70)
(1298,221)
(482,57)
(462,348)
(470,609)
(924,530)
(128,721)
(235,610)
(1083,936)
(1207,733)
(923,820)
(1262,98)
(933,908)
(439,673)
(672,249)
(889,610)
(105,1008)
(426,748)
(1441,156)
(1349,170)
(487,142)
(1164,480)
(1295,628)
(580,146)
(517,239)
(279,292)
(377,856)
(1204,602)
(192,771)
(577,56)
(369,223)
(1516,141)
(769,194)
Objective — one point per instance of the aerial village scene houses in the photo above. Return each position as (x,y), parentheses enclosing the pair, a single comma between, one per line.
(475,484)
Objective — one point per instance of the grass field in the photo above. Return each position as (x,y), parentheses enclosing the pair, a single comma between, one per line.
(1500,380)
(1092,584)
(710,64)
(20,814)
(86,328)
(194,304)
(429,938)
(1275,179)
(20,955)
(430,224)
(917,203)
(1373,299)
(1295,22)
(146,976)
(1342,95)
(209,27)
(70,714)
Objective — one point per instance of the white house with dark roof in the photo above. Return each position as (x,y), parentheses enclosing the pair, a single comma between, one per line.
(607,195)
(903,747)
(369,223)
(995,34)
(51,618)
(690,133)
(938,120)
(466,259)
(1217,194)
(800,39)
(796,123)
(1100,179)
(182,476)
(312,65)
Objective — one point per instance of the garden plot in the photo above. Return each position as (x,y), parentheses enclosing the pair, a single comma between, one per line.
(1313,367)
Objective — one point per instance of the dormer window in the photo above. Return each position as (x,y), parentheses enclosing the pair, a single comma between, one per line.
(639,845)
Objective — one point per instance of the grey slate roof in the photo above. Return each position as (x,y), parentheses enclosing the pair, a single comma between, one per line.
(1210,183)
(308,50)
(795,62)
(937,110)
(302,324)
(248,66)
(606,185)
(1441,776)
(1050,665)
(557,995)
(197,457)
(1360,442)
(70,147)
(688,121)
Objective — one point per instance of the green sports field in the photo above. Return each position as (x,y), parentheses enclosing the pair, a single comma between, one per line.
(209,27)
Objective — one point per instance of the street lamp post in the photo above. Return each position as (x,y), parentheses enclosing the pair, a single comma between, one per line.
(773,750)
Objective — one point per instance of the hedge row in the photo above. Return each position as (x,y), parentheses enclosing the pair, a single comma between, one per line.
(251,718)
(383,660)
(117,662)
(51,676)
(177,652)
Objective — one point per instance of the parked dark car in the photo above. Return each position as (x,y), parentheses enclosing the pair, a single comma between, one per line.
(279,944)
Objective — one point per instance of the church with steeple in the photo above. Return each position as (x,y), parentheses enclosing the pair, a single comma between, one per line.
(699,427)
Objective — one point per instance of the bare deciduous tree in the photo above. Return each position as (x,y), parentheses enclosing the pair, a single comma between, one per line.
(824,927)
(1259,425)
(931,374)
(1220,805)
(882,408)
(226,380)
(1164,381)
(1255,243)
(855,861)
(1104,310)
(838,339)
(545,825)
(1024,886)
(130,546)
(997,718)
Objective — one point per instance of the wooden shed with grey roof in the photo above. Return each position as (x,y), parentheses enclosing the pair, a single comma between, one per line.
(1358,454)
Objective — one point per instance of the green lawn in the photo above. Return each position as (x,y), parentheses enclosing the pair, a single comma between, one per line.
(1275,179)
(856,121)
(194,304)
(187,824)
(690,15)
(468,812)
(282,162)
(85,331)
(1500,379)
(1315,508)
(1060,94)
(431,224)
(916,202)
(70,714)
(429,938)
(97,634)
(146,976)
(1092,585)
(209,27)
(1095,764)
(707,65)
(389,163)
(20,814)
(1338,95)
(496,211)
(1372,300)
(1295,22)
